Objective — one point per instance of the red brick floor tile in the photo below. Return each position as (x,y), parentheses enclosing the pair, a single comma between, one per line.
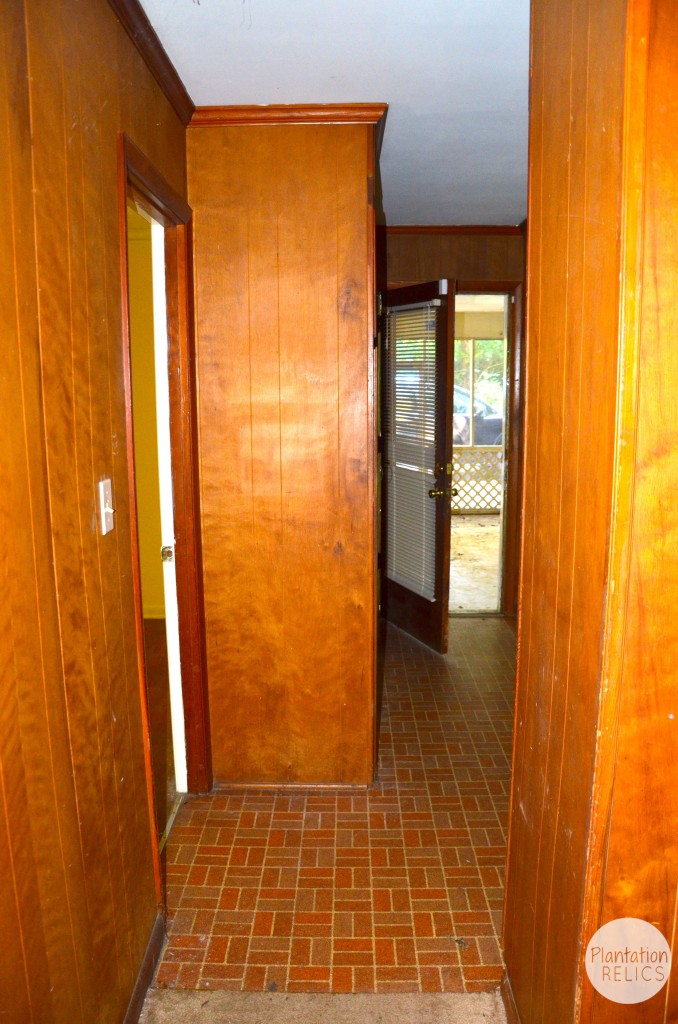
(361,925)
(453,980)
(263,922)
(276,977)
(430,979)
(309,974)
(300,951)
(223,972)
(167,975)
(396,889)
(188,976)
(398,974)
(238,948)
(363,979)
(384,952)
(342,979)
(308,986)
(406,952)
(283,923)
(254,979)
(398,986)
(381,900)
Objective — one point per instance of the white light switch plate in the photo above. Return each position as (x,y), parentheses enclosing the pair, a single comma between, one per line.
(106,509)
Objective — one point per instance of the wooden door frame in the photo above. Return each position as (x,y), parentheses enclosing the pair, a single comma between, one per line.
(138,179)
(514,448)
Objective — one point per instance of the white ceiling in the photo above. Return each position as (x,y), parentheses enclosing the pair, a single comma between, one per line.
(454,73)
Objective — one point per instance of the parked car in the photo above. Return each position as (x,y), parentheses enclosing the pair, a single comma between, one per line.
(416,402)
(488,423)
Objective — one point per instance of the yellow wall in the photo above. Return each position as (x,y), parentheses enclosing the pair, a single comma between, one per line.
(145,432)
(479,325)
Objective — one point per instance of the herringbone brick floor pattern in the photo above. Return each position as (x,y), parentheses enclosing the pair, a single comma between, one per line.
(396,889)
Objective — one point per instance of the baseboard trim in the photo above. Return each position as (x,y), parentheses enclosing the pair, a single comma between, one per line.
(146,971)
(509,1001)
(291,787)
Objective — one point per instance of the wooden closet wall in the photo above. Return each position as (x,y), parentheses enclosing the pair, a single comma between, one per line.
(284,253)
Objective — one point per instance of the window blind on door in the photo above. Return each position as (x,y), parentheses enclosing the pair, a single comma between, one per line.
(409,446)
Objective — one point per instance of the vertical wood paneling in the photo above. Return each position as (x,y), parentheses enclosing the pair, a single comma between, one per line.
(597,680)
(636,813)
(412,258)
(282,255)
(75,848)
(42,896)
(572,289)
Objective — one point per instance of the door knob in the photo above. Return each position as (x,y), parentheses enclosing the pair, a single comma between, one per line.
(443,492)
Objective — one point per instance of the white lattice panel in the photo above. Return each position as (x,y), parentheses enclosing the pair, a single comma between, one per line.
(479,478)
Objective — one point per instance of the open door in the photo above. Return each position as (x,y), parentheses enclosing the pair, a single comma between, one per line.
(169,218)
(417,459)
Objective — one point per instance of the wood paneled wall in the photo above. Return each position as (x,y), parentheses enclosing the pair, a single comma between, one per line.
(634,838)
(78,898)
(42,895)
(572,331)
(594,813)
(429,256)
(283,249)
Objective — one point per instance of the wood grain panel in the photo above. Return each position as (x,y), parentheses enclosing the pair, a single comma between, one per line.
(42,895)
(572,294)
(282,251)
(135,21)
(636,808)
(78,889)
(413,257)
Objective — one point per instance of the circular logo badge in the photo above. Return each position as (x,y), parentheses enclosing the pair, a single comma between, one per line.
(628,960)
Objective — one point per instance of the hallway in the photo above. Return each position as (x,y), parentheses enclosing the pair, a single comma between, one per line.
(396,889)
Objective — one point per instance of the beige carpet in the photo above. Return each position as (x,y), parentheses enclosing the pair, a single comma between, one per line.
(165,1006)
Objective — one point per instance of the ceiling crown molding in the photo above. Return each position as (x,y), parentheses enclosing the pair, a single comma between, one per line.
(301,113)
(133,19)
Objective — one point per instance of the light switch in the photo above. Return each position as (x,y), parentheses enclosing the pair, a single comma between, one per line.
(106,509)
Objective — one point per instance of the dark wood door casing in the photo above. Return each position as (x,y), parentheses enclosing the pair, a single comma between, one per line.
(140,180)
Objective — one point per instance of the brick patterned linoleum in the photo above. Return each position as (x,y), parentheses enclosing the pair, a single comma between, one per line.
(396,889)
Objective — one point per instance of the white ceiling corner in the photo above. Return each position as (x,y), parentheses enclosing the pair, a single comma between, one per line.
(454,73)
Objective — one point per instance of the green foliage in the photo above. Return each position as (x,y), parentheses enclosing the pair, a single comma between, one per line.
(489,383)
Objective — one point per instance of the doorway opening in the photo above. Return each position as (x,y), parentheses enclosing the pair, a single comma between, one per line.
(479,434)
(166,379)
(155,512)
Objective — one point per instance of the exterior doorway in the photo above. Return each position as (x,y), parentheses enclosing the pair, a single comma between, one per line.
(479,435)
